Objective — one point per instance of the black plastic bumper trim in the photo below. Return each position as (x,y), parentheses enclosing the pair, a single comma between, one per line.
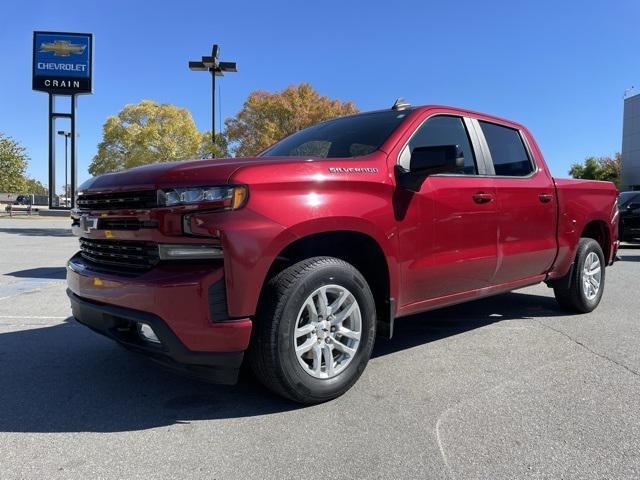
(119,324)
(217,299)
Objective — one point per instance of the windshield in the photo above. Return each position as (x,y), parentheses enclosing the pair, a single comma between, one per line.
(340,138)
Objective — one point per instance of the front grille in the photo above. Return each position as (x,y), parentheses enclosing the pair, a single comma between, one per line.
(118,200)
(125,224)
(131,256)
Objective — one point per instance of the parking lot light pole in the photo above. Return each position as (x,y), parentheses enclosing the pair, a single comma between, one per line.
(66,135)
(217,69)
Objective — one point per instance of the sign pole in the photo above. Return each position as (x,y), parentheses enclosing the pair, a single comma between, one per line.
(66,166)
(213,107)
(52,150)
(62,65)
(53,115)
(74,166)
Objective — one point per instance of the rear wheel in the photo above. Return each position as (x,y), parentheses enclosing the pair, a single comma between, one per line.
(315,330)
(587,282)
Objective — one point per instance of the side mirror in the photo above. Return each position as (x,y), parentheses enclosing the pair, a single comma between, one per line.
(427,161)
(633,206)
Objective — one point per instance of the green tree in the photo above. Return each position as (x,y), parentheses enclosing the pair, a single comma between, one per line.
(611,168)
(589,170)
(145,133)
(266,117)
(599,168)
(34,186)
(13,165)
(209,150)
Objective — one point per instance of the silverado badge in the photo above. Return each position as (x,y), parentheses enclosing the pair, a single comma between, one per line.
(353,170)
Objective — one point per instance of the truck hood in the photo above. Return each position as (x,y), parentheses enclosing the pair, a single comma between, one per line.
(176,174)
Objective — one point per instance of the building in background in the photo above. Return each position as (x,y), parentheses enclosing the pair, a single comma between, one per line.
(631,141)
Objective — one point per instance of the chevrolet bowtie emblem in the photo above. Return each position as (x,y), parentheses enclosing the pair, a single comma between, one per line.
(88,223)
(62,48)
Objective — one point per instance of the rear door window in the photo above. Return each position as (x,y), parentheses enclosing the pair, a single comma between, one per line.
(508,153)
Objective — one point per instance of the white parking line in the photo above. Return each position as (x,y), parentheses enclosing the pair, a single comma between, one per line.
(20,317)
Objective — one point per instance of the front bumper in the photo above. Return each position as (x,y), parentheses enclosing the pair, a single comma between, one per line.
(180,302)
(120,324)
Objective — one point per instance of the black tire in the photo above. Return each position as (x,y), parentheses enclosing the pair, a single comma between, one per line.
(272,352)
(574,298)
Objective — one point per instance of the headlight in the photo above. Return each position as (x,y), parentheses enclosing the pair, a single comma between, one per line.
(226,197)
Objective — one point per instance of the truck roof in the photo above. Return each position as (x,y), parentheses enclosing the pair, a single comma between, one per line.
(450,109)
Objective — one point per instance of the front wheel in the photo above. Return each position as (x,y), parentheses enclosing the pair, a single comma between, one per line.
(315,330)
(587,283)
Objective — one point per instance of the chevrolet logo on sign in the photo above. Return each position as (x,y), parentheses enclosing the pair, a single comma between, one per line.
(62,62)
(62,48)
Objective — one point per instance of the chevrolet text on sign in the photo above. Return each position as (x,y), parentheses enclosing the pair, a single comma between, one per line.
(62,62)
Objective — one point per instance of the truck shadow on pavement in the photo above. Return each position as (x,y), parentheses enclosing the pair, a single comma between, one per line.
(65,378)
(438,324)
(54,273)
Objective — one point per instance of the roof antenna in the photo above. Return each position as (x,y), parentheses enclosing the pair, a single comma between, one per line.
(400,104)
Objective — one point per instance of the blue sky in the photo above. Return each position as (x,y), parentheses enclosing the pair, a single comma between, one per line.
(561,68)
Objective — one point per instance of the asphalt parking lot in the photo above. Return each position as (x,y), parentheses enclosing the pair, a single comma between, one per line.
(506,387)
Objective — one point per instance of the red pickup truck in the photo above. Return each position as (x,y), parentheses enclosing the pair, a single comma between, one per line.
(302,255)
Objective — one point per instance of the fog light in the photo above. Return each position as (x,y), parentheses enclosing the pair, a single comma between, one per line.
(146,333)
(186,251)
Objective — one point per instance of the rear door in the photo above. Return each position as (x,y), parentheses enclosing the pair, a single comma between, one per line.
(526,202)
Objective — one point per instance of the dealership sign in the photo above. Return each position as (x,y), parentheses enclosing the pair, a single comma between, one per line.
(62,62)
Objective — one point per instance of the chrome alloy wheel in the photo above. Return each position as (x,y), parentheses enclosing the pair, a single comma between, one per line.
(327,332)
(591,276)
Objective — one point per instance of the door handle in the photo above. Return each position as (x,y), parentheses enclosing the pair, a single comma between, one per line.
(482,197)
(545,197)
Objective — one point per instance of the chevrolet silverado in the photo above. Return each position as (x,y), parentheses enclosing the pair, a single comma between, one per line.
(301,256)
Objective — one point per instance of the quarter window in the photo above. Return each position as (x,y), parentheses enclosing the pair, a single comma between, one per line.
(508,153)
(442,130)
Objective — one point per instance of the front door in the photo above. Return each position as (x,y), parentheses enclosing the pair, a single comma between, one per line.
(453,249)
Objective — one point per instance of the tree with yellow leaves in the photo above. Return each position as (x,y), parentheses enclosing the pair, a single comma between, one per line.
(145,133)
(267,117)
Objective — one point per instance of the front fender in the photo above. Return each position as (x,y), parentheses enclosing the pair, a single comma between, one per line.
(251,247)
